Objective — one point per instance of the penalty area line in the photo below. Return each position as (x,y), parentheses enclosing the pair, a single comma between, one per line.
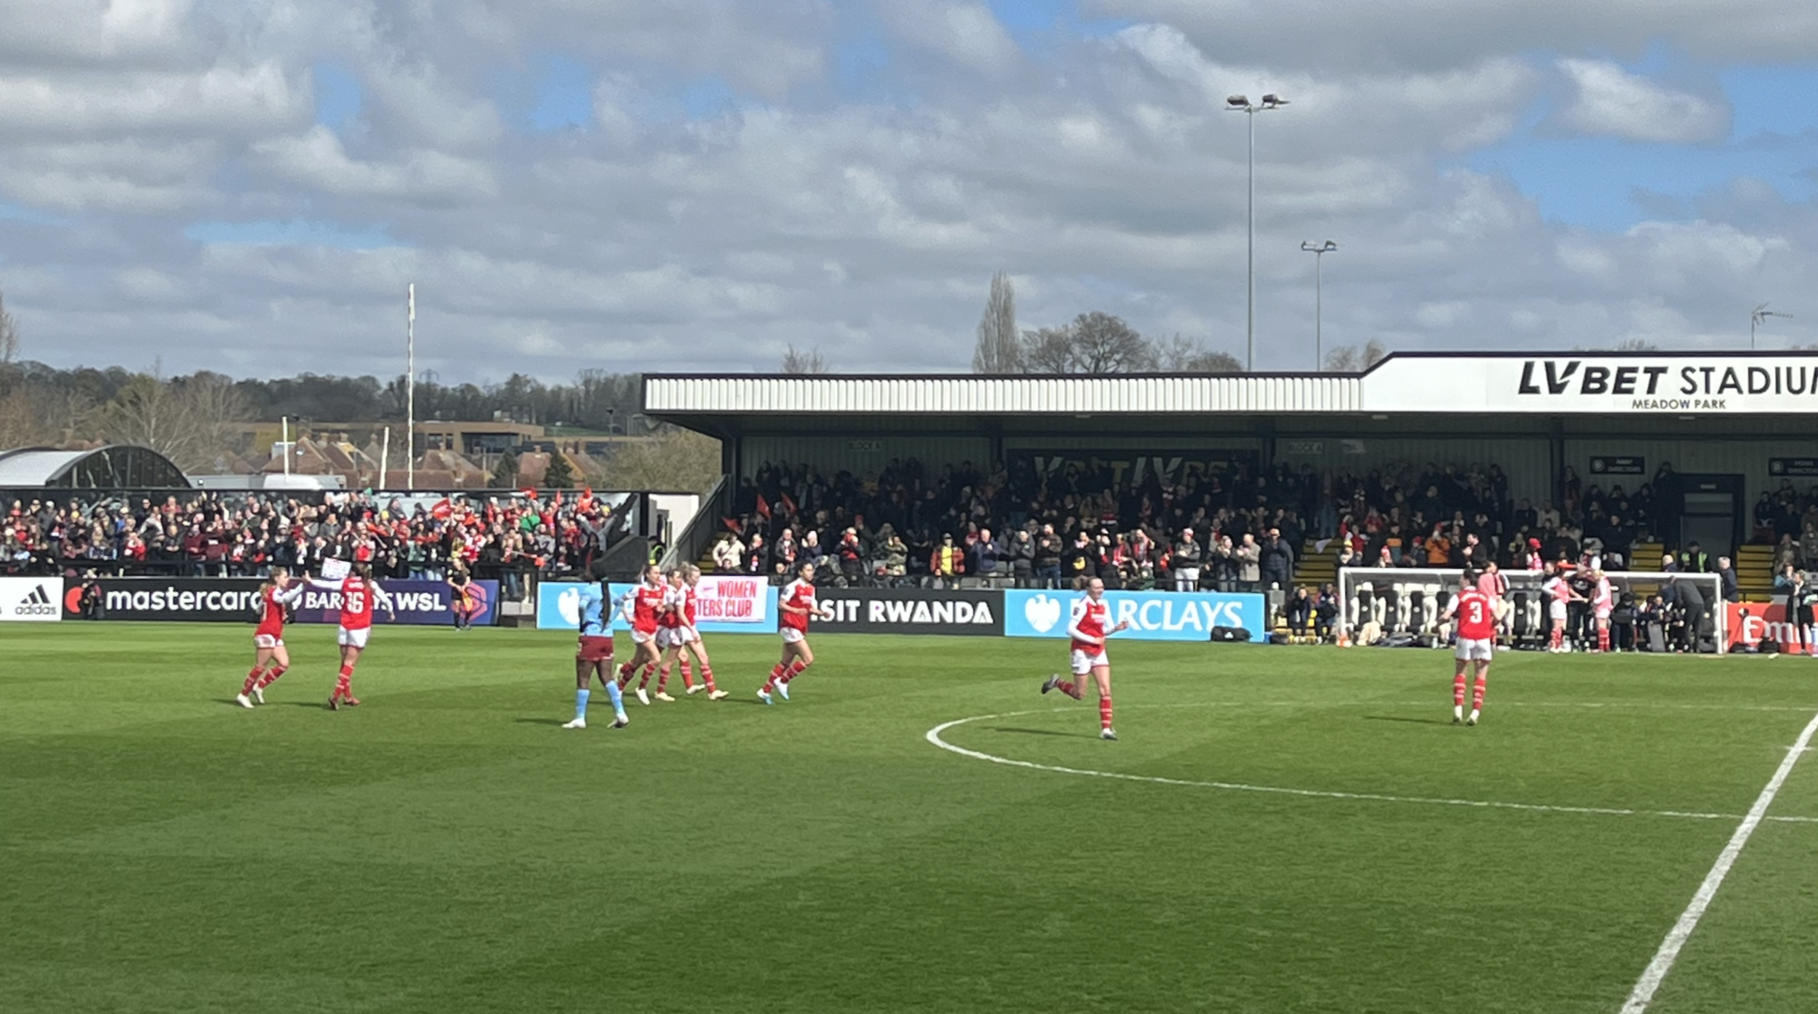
(934,736)
(1656,972)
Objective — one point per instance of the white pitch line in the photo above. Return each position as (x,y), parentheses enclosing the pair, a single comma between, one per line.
(1656,972)
(934,736)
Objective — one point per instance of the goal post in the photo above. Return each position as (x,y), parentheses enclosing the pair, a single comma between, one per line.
(1411,599)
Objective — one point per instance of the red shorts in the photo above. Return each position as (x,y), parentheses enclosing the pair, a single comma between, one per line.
(594,649)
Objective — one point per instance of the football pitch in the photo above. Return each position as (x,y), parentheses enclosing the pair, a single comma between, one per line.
(1279,829)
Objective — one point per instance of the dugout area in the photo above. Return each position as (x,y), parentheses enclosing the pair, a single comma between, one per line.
(1710,432)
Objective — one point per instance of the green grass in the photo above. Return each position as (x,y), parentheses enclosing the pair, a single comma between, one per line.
(447,848)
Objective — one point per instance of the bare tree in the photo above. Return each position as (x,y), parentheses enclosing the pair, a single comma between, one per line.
(999,349)
(1351,359)
(798,363)
(1190,355)
(190,420)
(1094,344)
(9,334)
(677,460)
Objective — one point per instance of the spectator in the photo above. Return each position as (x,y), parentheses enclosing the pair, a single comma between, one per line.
(947,562)
(985,554)
(851,557)
(1727,574)
(1248,558)
(728,554)
(1048,558)
(1299,612)
(1277,561)
(1022,558)
(1186,562)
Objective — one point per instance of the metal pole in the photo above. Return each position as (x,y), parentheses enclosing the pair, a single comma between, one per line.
(385,458)
(286,443)
(1319,307)
(1250,257)
(410,388)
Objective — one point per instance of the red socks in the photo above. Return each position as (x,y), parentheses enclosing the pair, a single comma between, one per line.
(687,676)
(1557,638)
(1070,690)
(644,681)
(706,677)
(1458,689)
(776,676)
(252,680)
(1603,640)
(272,674)
(1104,712)
(1476,692)
(796,668)
(625,672)
(662,679)
(344,685)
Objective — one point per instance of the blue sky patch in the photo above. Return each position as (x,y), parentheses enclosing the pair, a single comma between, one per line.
(338,95)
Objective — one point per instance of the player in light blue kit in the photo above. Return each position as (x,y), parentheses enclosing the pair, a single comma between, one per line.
(594,654)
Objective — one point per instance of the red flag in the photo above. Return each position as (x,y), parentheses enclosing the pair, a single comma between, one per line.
(558,498)
(585,502)
(734,525)
(443,508)
(763,506)
(529,492)
(789,503)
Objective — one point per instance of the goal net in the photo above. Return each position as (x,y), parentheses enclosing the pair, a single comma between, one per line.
(1654,611)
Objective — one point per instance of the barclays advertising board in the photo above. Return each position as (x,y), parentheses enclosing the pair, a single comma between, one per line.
(1153,616)
(741,605)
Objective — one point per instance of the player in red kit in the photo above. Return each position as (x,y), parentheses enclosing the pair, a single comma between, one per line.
(642,606)
(691,643)
(270,658)
(1476,614)
(1559,593)
(1603,602)
(359,593)
(795,605)
(1089,626)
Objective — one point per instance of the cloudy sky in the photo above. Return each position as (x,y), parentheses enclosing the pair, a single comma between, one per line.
(248,185)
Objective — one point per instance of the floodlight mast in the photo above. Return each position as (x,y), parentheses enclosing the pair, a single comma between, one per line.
(1242,104)
(1758,317)
(1319,252)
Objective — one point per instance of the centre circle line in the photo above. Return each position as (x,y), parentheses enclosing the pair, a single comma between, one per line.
(934,736)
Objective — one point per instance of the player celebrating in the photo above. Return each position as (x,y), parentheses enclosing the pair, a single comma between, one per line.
(359,593)
(1087,627)
(593,653)
(641,607)
(270,658)
(691,578)
(795,604)
(1559,593)
(1603,602)
(670,635)
(1476,613)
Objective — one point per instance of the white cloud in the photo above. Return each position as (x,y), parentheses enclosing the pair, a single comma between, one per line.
(964,31)
(1610,101)
(1102,172)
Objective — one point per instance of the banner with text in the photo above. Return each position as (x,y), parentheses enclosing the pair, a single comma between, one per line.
(911,611)
(417,603)
(1752,624)
(31,599)
(190,599)
(1153,616)
(725,605)
(1642,382)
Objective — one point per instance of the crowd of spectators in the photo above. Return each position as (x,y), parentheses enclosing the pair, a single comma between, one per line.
(245,534)
(1233,529)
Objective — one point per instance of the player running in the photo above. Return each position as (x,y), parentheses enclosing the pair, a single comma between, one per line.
(593,653)
(1476,613)
(641,607)
(270,658)
(359,593)
(1559,593)
(795,605)
(1087,627)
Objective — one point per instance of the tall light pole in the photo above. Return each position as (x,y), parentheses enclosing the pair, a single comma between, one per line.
(1319,258)
(1758,317)
(410,388)
(1242,104)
